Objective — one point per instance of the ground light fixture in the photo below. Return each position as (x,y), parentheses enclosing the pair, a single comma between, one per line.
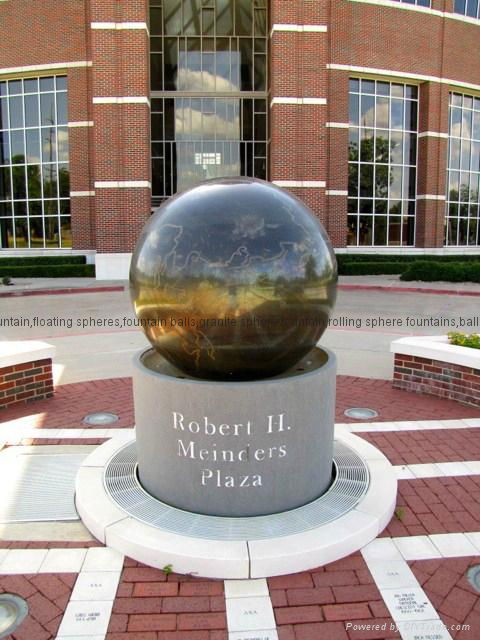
(101,417)
(361,413)
(13,611)
(473,577)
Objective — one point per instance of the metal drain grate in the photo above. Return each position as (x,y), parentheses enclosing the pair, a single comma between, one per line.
(39,487)
(350,485)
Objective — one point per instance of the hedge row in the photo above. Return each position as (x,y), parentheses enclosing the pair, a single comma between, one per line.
(448,272)
(348,258)
(27,261)
(49,271)
(370,268)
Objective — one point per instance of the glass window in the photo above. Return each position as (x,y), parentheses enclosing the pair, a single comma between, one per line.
(470,8)
(236,29)
(382,163)
(462,225)
(34,187)
(217,49)
(419,3)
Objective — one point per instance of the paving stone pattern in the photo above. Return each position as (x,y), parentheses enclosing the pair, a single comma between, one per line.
(47,596)
(445,583)
(436,505)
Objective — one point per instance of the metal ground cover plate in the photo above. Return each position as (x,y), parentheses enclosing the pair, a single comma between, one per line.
(349,486)
(13,611)
(38,487)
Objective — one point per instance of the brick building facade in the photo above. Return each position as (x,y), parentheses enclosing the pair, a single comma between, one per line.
(368,110)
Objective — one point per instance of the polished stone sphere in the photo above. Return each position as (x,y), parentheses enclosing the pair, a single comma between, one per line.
(234,279)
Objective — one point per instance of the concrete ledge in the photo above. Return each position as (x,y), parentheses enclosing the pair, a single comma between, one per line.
(14,352)
(433,366)
(112,266)
(437,348)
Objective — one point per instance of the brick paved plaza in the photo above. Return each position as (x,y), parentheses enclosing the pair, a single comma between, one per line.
(334,601)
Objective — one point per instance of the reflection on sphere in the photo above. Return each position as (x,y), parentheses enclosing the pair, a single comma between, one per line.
(233,280)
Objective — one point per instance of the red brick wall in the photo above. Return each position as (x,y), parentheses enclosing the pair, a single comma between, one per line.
(302,148)
(34,33)
(434,377)
(26,382)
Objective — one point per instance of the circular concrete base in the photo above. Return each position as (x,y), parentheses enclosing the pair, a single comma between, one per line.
(279,553)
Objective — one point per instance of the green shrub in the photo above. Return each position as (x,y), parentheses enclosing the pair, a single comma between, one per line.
(343,258)
(26,261)
(428,271)
(369,268)
(464,340)
(49,271)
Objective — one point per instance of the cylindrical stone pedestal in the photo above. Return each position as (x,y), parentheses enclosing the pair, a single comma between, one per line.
(235,448)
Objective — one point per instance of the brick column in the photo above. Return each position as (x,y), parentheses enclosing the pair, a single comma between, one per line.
(121,114)
(337,177)
(298,84)
(432,164)
(80,136)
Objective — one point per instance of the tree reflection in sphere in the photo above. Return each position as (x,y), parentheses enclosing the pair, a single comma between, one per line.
(234,279)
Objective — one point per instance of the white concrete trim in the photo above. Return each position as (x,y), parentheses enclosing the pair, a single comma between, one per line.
(432,134)
(94,590)
(412,251)
(299,28)
(249,610)
(14,352)
(80,123)
(409,425)
(430,196)
(438,545)
(112,266)
(58,560)
(336,192)
(438,470)
(14,433)
(401,5)
(436,348)
(397,584)
(119,26)
(427,10)
(81,194)
(123,184)
(461,18)
(121,100)
(54,66)
(300,184)
(297,101)
(243,558)
(402,74)
(338,125)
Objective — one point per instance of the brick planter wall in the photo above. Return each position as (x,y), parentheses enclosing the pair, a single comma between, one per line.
(25,382)
(438,378)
